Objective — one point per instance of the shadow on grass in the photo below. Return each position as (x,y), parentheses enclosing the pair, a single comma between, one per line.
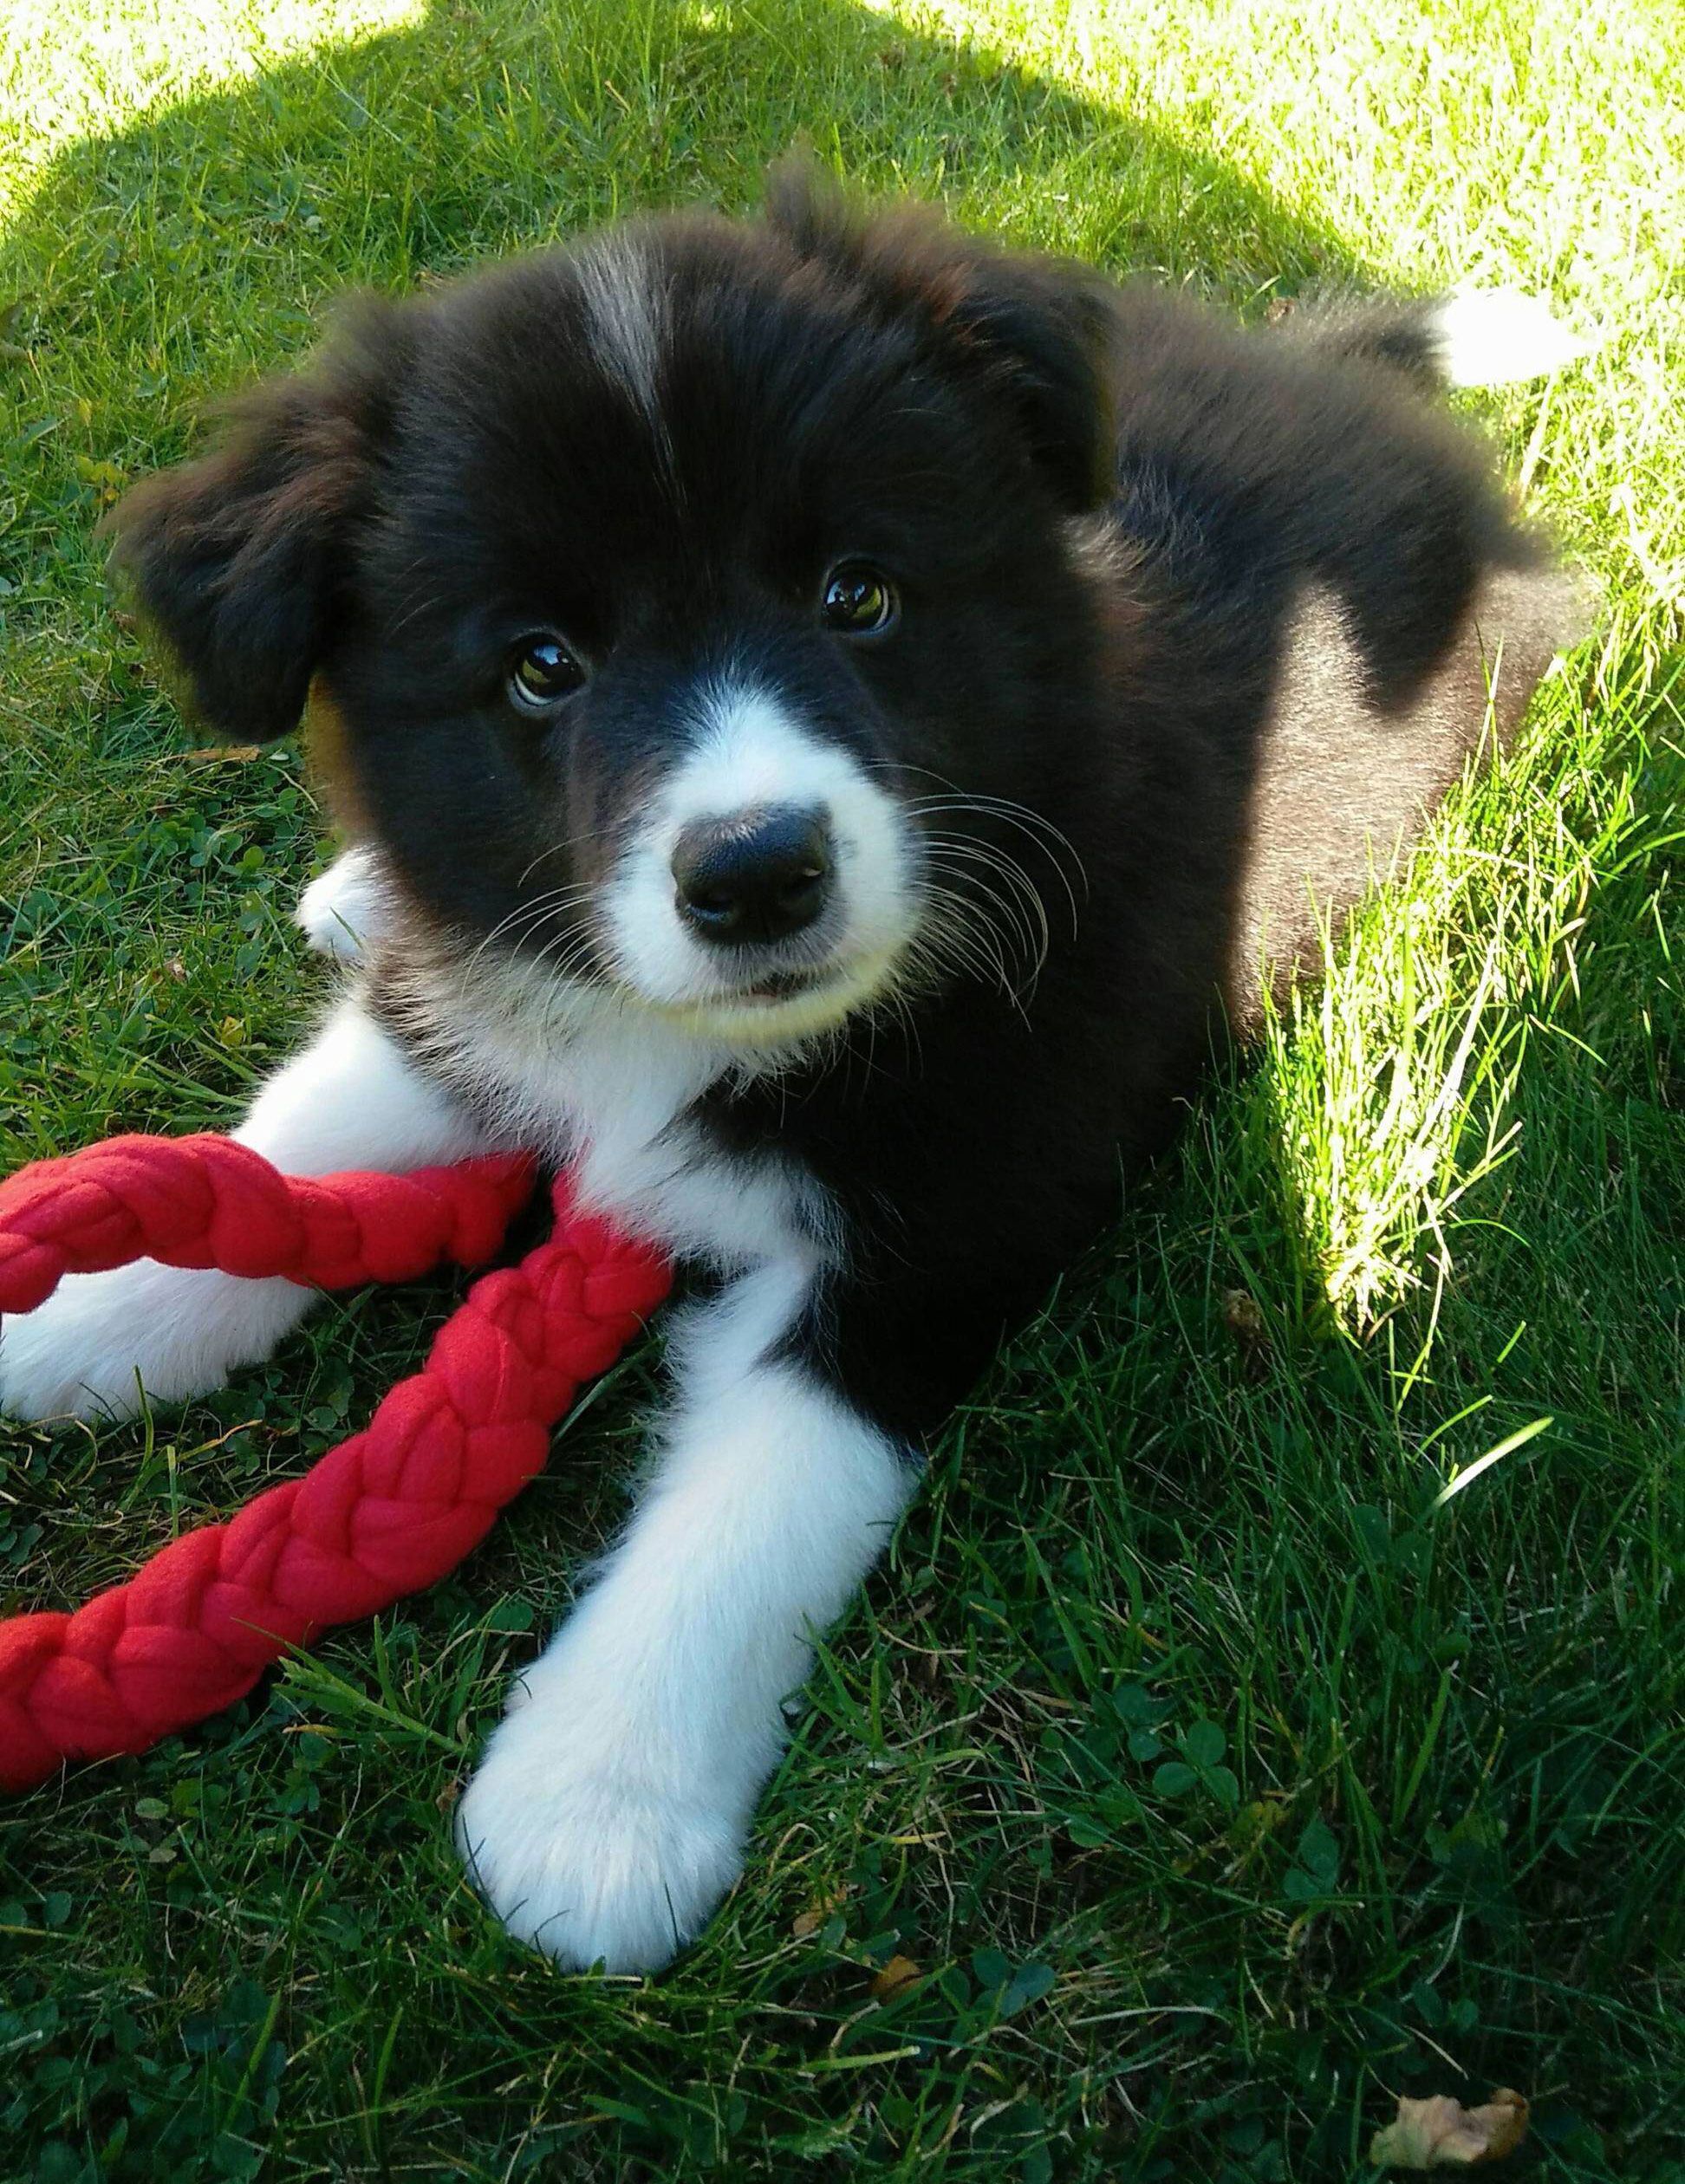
(187,250)
(1273,1566)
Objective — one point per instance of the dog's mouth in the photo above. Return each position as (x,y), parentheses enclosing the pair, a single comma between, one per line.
(754,1001)
(773,1007)
(775,986)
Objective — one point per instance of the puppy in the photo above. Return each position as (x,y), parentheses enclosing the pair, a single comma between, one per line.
(834,718)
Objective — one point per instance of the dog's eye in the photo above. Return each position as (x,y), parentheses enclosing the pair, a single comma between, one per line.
(542,670)
(858,600)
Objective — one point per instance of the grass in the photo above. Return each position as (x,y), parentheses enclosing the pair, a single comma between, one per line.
(1222,1777)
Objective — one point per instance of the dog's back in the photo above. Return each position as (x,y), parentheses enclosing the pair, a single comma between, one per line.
(1337,603)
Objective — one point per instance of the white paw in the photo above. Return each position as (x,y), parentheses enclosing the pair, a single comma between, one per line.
(1498,336)
(344,908)
(593,1864)
(175,1331)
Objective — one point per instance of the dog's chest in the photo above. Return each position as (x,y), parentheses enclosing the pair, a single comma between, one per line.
(617,1098)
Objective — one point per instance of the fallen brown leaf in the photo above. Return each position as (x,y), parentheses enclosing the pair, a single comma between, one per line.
(1443,2134)
(1243,1315)
(811,1920)
(926,1670)
(899,1972)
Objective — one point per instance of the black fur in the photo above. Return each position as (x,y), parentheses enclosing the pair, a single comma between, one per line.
(242,559)
(1102,505)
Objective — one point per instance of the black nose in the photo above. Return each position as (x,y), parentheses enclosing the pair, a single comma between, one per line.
(757,876)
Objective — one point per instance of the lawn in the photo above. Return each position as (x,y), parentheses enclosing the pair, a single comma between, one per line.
(1222,1777)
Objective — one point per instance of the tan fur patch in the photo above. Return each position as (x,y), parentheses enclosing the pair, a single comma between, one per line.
(330,764)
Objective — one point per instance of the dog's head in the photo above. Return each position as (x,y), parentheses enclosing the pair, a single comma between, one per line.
(691,604)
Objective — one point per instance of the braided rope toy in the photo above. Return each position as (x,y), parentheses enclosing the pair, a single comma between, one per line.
(385,1513)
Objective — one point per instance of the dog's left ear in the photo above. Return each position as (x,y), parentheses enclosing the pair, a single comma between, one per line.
(1032,334)
(238,559)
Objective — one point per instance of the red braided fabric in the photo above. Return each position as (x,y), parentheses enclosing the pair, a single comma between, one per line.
(206,1201)
(387,1512)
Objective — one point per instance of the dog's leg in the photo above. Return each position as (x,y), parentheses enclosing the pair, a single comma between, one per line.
(610,1813)
(350,1099)
(344,908)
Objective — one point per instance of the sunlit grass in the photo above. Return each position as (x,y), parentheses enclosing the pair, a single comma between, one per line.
(66,73)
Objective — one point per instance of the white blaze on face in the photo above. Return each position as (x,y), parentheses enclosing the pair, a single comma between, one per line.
(751,755)
(625,317)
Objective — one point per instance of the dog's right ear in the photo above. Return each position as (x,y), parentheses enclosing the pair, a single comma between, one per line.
(1029,334)
(238,559)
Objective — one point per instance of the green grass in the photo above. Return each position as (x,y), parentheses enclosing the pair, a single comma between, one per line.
(1223,1778)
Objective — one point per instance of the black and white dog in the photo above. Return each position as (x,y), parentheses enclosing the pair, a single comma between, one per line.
(830,715)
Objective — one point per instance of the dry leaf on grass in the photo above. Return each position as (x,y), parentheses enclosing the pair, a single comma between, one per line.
(811,1920)
(899,1972)
(1243,1315)
(1443,2134)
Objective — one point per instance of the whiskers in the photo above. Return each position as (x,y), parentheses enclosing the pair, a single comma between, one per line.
(985,918)
(570,949)
(982,920)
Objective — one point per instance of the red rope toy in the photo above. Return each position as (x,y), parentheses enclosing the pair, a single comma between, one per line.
(384,1513)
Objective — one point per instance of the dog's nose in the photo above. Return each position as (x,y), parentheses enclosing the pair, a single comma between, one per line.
(755,876)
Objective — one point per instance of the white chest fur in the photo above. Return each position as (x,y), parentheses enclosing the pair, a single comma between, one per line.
(575,1076)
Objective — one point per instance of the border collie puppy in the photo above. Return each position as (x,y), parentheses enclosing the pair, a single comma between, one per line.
(830,716)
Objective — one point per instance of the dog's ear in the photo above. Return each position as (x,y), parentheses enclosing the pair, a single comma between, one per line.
(1032,334)
(237,559)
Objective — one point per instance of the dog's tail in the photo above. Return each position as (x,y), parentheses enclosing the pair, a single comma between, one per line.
(1474,337)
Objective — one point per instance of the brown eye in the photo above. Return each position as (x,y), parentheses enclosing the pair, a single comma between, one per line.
(858,600)
(543,672)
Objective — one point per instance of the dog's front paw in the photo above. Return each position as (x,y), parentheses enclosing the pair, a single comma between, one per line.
(344,908)
(176,1332)
(597,1864)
